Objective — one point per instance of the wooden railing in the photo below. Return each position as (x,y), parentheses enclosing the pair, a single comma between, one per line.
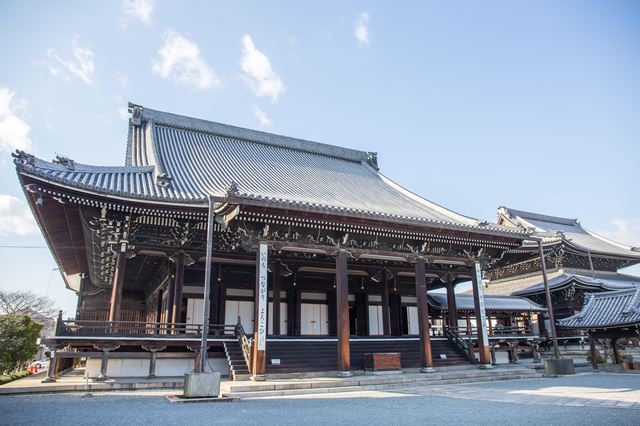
(504,331)
(244,342)
(464,346)
(137,328)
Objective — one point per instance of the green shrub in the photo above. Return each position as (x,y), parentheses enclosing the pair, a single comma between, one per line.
(14,376)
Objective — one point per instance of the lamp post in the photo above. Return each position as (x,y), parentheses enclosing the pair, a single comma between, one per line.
(552,321)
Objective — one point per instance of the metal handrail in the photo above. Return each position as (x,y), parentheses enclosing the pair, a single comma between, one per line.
(244,342)
(136,328)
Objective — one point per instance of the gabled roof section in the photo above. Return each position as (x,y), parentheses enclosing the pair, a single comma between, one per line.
(183,160)
(553,229)
(464,302)
(607,310)
(601,282)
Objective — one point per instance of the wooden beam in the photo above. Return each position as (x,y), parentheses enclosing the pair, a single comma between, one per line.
(178,284)
(275,288)
(118,283)
(423,317)
(386,318)
(342,310)
(452,310)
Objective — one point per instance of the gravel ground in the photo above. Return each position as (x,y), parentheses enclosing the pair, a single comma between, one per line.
(397,407)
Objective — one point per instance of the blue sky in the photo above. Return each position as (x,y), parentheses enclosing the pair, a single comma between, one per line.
(532,105)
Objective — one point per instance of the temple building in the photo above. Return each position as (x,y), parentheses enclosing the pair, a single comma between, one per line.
(578,262)
(318,258)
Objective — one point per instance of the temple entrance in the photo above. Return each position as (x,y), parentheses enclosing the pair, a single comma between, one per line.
(314,319)
(375,320)
(239,308)
(283,318)
(410,320)
(195,311)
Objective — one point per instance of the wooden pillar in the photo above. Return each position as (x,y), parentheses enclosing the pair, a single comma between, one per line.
(481,319)
(452,314)
(178,284)
(614,347)
(395,311)
(118,283)
(104,364)
(275,282)
(423,317)
(261,314)
(342,310)
(153,354)
(361,323)
(469,330)
(386,318)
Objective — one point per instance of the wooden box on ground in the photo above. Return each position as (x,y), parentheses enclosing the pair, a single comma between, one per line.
(382,362)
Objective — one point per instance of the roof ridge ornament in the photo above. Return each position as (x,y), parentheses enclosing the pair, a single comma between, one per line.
(21,157)
(372,160)
(65,161)
(163,179)
(232,190)
(136,114)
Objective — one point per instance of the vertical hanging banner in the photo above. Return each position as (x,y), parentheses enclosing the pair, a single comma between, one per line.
(481,322)
(263,293)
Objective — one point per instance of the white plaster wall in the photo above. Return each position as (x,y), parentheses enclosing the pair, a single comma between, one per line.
(165,367)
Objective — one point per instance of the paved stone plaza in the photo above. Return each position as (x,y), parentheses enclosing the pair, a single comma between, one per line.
(581,399)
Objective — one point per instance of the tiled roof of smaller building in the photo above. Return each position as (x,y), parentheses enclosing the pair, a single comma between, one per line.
(609,281)
(607,310)
(464,302)
(553,229)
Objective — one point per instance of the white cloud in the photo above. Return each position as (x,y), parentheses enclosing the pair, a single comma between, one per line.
(124,113)
(180,60)
(259,75)
(15,217)
(626,231)
(14,131)
(138,9)
(262,117)
(361,30)
(80,65)
(122,79)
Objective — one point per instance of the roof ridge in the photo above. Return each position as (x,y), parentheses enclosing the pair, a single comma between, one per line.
(201,125)
(541,217)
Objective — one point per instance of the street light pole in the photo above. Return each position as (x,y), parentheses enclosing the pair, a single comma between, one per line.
(552,321)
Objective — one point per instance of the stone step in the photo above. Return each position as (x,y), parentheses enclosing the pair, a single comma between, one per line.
(320,388)
(361,380)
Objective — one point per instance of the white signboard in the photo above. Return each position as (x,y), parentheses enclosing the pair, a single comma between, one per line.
(262,297)
(482,321)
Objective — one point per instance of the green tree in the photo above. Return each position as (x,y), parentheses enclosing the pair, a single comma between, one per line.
(18,337)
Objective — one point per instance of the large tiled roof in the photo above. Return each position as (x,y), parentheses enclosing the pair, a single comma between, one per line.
(177,159)
(600,281)
(609,309)
(464,302)
(557,229)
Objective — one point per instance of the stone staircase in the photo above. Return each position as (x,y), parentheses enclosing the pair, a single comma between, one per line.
(295,356)
(361,382)
(237,366)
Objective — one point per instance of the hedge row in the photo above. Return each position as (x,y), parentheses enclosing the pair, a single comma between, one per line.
(14,376)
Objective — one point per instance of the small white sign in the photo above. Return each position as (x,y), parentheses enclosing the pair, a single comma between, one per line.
(443,356)
(275,361)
